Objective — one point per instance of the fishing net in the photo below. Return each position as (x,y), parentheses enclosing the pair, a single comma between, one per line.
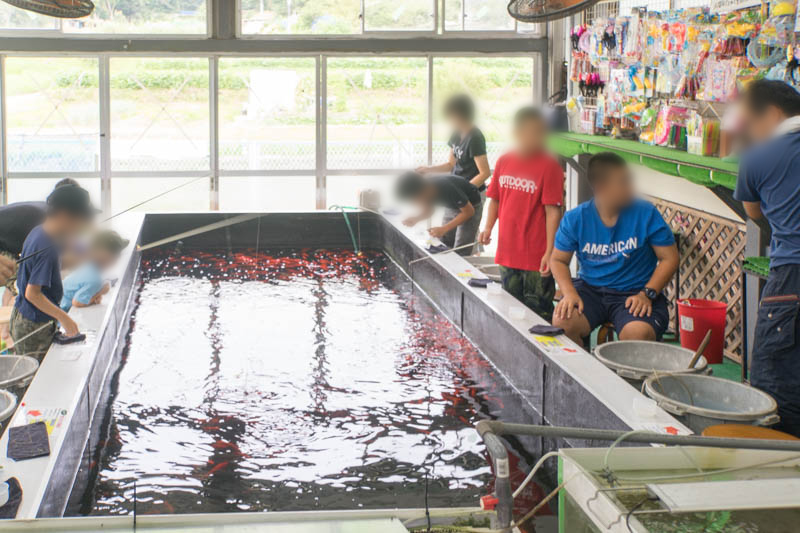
(545,10)
(68,9)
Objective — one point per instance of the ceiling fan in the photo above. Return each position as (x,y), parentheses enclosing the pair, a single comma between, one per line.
(66,9)
(546,10)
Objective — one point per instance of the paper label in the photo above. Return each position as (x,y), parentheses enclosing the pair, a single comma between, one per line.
(687,323)
(53,417)
(502,468)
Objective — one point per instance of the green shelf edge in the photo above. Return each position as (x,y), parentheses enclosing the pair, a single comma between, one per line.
(701,170)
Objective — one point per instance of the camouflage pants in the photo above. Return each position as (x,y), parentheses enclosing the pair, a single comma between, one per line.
(12,281)
(38,343)
(531,288)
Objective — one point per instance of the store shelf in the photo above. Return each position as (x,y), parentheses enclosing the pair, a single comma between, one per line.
(706,171)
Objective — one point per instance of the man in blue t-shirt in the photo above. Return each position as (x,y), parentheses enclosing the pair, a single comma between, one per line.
(769,187)
(36,309)
(626,253)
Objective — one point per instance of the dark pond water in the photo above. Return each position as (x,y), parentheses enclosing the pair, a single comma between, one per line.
(290,380)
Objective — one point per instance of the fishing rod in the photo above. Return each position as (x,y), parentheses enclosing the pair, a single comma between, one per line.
(197,231)
(131,208)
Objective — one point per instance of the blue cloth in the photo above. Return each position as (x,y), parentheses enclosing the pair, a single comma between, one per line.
(620,257)
(82,285)
(608,305)
(44,270)
(775,365)
(769,173)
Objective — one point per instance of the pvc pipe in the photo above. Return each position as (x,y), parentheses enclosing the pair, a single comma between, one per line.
(489,430)
(485,427)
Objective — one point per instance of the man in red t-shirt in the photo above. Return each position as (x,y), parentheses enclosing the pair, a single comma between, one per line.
(527,191)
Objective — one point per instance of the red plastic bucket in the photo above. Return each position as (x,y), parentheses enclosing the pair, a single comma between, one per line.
(696,317)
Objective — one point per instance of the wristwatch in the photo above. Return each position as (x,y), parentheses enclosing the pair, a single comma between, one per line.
(652,294)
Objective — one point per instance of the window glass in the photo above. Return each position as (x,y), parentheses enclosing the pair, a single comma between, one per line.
(142,16)
(453,19)
(300,17)
(37,189)
(343,190)
(391,15)
(267,114)
(127,192)
(119,17)
(53,114)
(478,15)
(260,193)
(498,85)
(377,112)
(14,18)
(159,114)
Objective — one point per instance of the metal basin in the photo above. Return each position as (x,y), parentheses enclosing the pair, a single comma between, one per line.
(702,401)
(17,371)
(635,361)
(8,402)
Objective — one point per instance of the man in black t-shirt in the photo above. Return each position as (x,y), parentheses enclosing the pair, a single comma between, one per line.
(450,192)
(467,160)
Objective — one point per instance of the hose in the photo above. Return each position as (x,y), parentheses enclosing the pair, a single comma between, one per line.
(349,227)
(533,471)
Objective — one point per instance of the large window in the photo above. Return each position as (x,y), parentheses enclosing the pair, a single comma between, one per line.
(159,114)
(376,112)
(290,133)
(53,114)
(267,113)
(121,17)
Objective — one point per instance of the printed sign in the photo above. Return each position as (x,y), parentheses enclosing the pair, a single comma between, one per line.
(53,417)
(687,323)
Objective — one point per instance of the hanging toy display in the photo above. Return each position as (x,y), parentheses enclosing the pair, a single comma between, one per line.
(661,74)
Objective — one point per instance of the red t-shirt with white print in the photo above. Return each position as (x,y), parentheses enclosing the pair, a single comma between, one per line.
(523,186)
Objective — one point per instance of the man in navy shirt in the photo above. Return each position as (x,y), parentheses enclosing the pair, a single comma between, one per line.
(36,309)
(769,187)
(626,253)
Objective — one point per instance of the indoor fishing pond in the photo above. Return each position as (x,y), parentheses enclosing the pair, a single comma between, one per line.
(282,380)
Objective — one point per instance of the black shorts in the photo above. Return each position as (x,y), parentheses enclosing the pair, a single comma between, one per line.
(608,305)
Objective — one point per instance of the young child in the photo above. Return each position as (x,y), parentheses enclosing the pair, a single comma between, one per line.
(526,191)
(84,286)
(626,253)
(36,310)
(451,192)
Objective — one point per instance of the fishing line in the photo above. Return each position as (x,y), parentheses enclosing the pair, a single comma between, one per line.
(131,208)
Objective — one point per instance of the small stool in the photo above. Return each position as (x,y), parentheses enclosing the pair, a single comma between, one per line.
(605,333)
(743,431)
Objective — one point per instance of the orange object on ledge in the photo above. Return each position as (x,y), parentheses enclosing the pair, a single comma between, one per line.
(743,431)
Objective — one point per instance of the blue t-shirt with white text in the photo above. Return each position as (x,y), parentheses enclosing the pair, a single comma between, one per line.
(619,257)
